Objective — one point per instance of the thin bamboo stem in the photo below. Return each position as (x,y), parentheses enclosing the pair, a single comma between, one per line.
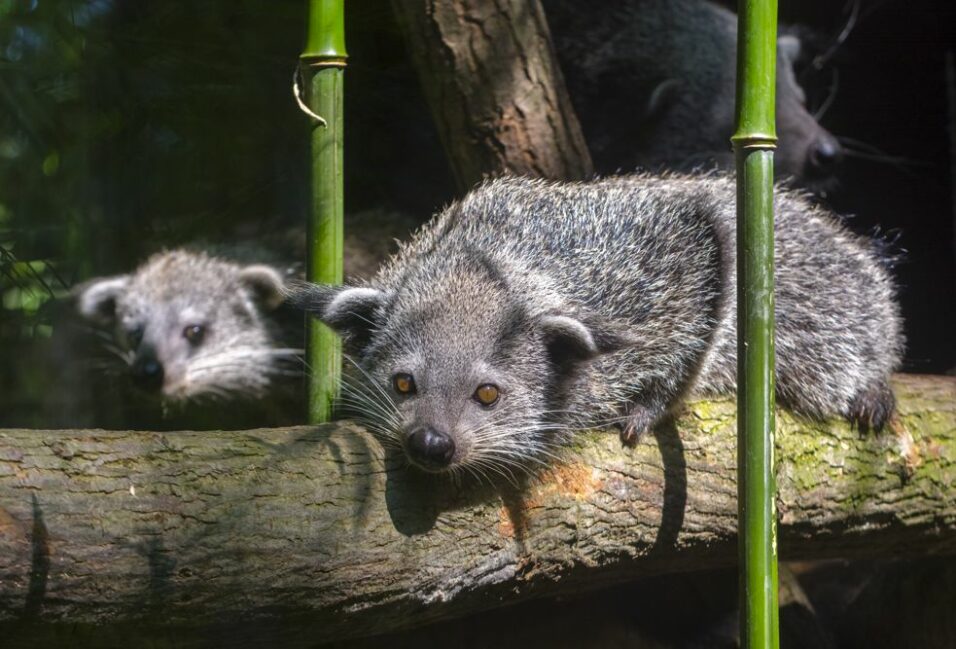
(754,140)
(323,64)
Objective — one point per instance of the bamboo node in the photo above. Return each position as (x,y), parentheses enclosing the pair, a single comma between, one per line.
(754,142)
(323,60)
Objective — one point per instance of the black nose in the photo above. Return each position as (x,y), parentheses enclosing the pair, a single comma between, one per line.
(147,373)
(430,449)
(825,154)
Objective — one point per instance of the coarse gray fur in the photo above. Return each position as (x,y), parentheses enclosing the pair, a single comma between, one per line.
(238,352)
(653,82)
(604,303)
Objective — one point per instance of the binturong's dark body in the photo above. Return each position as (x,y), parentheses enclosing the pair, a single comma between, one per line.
(653,82)
(601,303)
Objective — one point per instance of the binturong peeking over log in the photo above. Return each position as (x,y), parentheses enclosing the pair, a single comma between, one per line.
(531,309)
(199,337)
(198,333)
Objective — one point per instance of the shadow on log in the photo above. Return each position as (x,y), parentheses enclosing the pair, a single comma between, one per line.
(297,536)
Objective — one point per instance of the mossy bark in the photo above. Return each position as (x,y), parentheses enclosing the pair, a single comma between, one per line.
(303,535)
(496,92)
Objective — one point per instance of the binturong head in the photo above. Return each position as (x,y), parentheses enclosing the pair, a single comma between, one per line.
(464,375)
(807,151)
(190,326)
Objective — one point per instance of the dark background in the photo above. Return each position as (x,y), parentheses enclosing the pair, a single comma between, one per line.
(127,127)
(892,97)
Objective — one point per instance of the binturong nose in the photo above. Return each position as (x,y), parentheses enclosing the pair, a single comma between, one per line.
(147,373)
(825,154)
(430,449)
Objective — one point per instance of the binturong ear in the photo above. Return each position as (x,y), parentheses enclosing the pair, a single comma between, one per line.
(662,98)
(351,311)
(571,341)
(790,47)
(96,299)
(266,285)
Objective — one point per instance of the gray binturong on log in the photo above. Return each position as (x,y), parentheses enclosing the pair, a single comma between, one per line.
(305,535)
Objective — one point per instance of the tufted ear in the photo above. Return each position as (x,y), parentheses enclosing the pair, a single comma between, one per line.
(571,341)
(351,311)
(265,283)
(96,299)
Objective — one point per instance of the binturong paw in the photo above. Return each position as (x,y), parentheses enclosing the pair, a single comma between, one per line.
(639,420)
(872,407)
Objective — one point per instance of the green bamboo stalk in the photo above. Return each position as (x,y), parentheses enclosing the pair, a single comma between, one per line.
(323,66)
(754,140)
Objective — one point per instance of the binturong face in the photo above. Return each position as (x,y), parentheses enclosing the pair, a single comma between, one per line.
(461,377)
(807,150)
(191,327)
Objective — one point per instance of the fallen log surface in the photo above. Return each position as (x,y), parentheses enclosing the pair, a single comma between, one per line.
(304,535)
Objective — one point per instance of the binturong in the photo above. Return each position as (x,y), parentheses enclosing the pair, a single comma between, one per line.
(653,82)
(530,309)
(190,326)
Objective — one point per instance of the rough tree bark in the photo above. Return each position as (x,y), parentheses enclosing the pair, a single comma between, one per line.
(495,89)
(297,536)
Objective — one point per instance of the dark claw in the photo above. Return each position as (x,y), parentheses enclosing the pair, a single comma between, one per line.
(639,420)
(872,408)
(629,436)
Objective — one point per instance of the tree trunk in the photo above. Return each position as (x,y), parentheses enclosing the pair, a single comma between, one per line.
(297,536)
(495,89)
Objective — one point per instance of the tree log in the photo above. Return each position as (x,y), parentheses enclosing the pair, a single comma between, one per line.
(303,535)
(496,92)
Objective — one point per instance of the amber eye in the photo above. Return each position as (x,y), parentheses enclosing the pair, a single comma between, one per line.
(486,394)
(194,333)
(404,383)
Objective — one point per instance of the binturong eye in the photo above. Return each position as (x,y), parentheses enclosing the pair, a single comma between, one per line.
(403,383)
(194,333)
(134,336)
(487,394)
